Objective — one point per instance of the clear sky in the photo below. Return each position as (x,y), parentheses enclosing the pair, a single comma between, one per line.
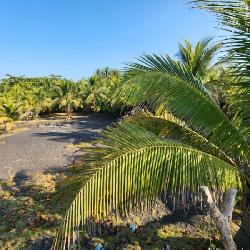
(74,37)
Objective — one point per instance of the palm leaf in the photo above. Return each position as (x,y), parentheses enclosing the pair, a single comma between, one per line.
(233,15)
(187,102)
(169,127)
(164,64)
(137,173)
(198,59)
(240,105)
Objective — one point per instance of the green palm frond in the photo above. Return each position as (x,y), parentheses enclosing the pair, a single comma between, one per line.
(240,105)
(187,103)
(198,58)
(234,17)
(163,64)
(169,127)
(138,173)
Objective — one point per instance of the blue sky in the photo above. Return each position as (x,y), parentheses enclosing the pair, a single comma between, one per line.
(74,37)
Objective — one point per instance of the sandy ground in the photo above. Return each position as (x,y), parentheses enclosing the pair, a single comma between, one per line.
(47,148)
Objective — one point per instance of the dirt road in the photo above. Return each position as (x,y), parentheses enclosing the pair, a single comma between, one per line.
(43,148)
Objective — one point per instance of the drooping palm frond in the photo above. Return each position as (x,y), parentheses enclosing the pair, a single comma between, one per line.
(169,127)
(187,102)
(240,104)
(137,168)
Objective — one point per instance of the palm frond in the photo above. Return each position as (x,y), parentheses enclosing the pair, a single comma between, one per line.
(188,103)
(198,58)
(169,127)
(240,104)
(137,173)
(164,64)
(233,15)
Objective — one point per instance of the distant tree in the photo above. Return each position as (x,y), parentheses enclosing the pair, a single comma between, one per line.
(68,98)
(43,102)
(36,95)
(100,88)
(199,58)
(9,107)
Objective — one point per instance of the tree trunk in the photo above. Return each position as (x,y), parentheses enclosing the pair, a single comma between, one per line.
(69,112)
(223,218)
(94,101)
(243,235)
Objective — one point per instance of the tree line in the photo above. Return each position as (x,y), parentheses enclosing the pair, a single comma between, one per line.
(28,97)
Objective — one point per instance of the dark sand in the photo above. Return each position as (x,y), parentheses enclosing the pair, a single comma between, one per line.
(47,148)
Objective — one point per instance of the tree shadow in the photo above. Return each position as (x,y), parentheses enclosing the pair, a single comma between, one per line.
(68,136)
(79,129)
(21,177)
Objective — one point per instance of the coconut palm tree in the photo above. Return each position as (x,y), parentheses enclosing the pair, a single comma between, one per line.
(199,58)
(100,88)
(233,16)
(42,100)
(93,91)
(191,142)
(148,155)
(9,107)
(68,98)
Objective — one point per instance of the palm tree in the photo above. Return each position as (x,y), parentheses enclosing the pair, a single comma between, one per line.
(199,58)
(42,101)
(68,98)
(100,88)
(93,91)
(9,107)
(233,15)
(191,142)
(147,155)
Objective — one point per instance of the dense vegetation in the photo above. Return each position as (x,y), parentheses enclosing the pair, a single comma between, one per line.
(187,134)
(26,98)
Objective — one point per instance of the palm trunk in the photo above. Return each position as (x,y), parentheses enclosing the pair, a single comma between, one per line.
(243,235)
(69,112)
(94,102)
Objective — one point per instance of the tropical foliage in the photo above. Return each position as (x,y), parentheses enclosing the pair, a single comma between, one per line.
(8,106)
(68,98)
(99,87)
(26,98)
(184,141)
(199,59)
